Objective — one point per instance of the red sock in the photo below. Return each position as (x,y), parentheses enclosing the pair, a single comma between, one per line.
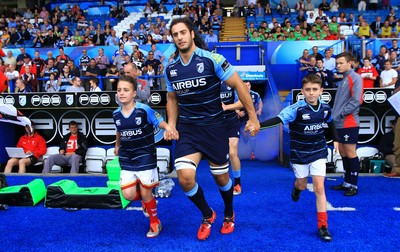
(322,218)
(151,207)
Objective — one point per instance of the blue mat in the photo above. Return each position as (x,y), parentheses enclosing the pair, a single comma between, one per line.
(266,218)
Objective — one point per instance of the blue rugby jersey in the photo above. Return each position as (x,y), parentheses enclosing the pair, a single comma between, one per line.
(256,98)
(137,150)
(228,96)
(198,86)
(307,138)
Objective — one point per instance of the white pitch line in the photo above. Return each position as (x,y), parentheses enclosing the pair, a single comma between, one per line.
(396,208)
(133,208)
(329,206)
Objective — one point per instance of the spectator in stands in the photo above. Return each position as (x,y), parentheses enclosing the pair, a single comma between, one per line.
(334,6)
(10,59)
(112,40)
(162,9)
(119,59)
(102,61)
(33,145)
(157,53)
(177,10)
(216,22)
(325,74)
(44,14)
(143,88)
(393,56)
(311,18)
(329,61)
(74,70)
(211,37)
(39,39)
(94,85)
(92,70)
(309,6)
(316,53)
(299,6)
(51,39)
(364,31)
(21,87)
(324,6)
(301,17)
(156,36)
(240,5)
(98,38)
(362,5)
(30,79)
(111,82)
(136,60)
(381,58)
(48,69)
(15,37)
(11,73)
(73,148)
(385,31)
(148,40)
(76,86)
(26,36)
(148,9)
(395,46)
(124,38)
(51,85)
(65,79)
(376,25)
(62,59)
(388,77)
(368,73)
(114,12)
(251,10)
(268,10)
(151,60)
(310,67)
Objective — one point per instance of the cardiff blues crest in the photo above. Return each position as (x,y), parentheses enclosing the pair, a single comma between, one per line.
(69,99)
(22,100)
(200,67)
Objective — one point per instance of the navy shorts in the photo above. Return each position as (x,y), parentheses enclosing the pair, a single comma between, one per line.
(233,127)
(212,141)
(348,135)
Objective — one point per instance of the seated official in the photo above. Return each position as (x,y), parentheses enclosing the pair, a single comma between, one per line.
(33,144)
(73,148)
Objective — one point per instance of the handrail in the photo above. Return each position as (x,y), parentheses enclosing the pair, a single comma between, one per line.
(245,37)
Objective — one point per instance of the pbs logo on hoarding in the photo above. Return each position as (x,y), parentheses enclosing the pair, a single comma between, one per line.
(103,128)
(77,116)
(45,124)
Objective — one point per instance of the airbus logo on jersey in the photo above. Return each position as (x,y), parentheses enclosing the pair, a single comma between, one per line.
(314,127)
(173,73)
(189,84)
(306,116)
(226,95)
(129,133)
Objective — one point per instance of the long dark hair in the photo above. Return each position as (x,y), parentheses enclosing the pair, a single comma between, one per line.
(198,40)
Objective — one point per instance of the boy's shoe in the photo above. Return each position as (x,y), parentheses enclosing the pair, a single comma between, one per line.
(237,189)
(295,194)
(3,181)
(144,210)
(352,191)
(155,229)
(340,187)
(324,234)
(205,228)
(252,156)
(229,225)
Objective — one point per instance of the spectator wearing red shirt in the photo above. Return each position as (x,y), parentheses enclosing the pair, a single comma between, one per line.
(368,74)
(33,144)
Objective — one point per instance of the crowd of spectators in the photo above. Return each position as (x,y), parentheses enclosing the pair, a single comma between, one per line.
(379,70)
(57,28)
(306,21)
